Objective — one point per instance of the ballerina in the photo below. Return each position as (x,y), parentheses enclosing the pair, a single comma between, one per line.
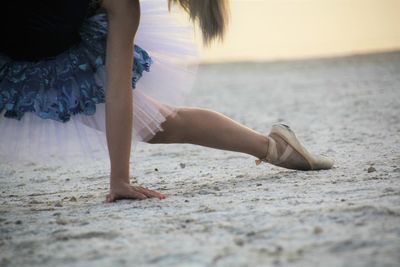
(67,69)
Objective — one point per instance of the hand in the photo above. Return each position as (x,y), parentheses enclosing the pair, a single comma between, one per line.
(128,191)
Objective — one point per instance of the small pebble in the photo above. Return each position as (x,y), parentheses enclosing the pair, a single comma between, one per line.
(186,200)
(371,169)
(252,233)
(18,222)
(389,190)
(238,241)
(61,221)
(318,230)
(183,165)
(156,169)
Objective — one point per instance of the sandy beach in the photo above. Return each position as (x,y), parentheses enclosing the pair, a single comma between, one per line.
(221,209)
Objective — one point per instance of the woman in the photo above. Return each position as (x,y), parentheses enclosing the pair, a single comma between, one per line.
(51,65)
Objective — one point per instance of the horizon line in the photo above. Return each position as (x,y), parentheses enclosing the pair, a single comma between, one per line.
(298,58)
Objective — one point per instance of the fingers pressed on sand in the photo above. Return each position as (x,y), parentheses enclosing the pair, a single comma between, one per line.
(136,194)
(153,193)
(156,194)
(144,191)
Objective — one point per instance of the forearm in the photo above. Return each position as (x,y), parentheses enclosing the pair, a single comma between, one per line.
(123,21)
(119,133)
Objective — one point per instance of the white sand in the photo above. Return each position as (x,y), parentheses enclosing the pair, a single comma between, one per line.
(221,209)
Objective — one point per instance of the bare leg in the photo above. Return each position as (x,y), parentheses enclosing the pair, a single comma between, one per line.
(211,129)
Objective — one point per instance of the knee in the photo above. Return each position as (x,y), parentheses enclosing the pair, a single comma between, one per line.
(173,129)
(176,125)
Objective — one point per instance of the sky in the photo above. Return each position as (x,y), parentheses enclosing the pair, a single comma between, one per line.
(265,30)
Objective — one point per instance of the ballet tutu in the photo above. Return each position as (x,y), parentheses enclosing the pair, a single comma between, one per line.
(53,111)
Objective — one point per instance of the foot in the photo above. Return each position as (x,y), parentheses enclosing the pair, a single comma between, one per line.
(285,150)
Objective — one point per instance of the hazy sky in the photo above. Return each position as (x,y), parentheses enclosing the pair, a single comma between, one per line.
(281,29)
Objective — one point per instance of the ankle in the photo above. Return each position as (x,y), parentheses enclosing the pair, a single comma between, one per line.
(262,152)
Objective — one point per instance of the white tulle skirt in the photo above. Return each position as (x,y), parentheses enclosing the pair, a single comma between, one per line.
(170,43)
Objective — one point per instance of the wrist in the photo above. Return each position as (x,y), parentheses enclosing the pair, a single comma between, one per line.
(118,180)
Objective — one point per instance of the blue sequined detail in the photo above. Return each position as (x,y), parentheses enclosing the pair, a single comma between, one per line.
(65,85)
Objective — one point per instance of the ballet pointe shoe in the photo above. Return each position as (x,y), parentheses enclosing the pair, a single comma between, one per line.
(285,150)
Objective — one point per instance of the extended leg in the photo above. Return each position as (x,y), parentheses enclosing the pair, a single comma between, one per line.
(208,128)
